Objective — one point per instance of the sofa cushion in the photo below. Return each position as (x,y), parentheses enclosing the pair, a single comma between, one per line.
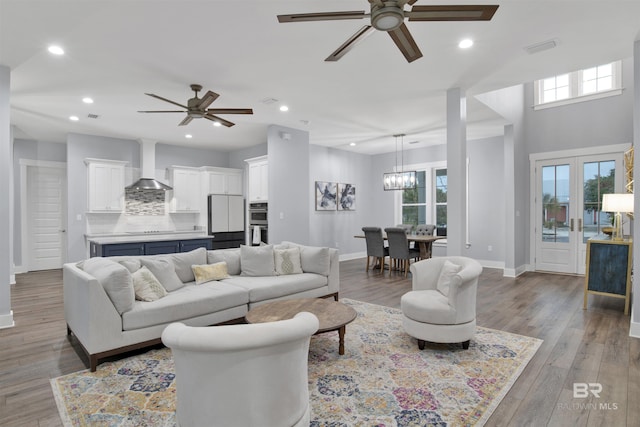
(257,260)
(428,306)
(164,271)
(146,286)
(447,272)
(132,265)
(115,279)
(314,259)
(269,287)
(287,261)
(182,263)
(210,272)
(188,302)
(230,256)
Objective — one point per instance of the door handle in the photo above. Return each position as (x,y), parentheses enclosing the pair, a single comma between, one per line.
(580,225)
(571,224)
(63,230)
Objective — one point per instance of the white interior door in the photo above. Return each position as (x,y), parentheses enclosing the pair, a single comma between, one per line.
(568,207)
(46,217)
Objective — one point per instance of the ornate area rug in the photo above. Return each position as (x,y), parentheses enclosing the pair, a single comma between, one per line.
(381,380)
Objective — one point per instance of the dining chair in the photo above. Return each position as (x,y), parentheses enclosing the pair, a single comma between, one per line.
(375,246)
(399,251)
(408,228)
(425,229)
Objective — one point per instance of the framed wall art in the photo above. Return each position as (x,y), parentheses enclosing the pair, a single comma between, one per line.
(326,194)
(346,197)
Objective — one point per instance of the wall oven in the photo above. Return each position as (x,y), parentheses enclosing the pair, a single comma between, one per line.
(258,214)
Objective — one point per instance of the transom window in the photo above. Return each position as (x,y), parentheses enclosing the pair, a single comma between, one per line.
(582,85)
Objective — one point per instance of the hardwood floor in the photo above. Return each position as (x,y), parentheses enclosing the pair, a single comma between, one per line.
(591,346)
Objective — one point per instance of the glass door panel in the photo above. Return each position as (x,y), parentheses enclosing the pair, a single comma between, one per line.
(598,179)
(556,209)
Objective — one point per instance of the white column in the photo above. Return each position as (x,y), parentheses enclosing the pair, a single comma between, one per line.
(509,201)
(6,168)
(456,171)
(635,306)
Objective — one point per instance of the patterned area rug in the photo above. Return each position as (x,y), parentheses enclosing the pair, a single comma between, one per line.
(381,380)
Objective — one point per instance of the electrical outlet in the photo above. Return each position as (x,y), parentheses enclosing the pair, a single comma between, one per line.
(489,248)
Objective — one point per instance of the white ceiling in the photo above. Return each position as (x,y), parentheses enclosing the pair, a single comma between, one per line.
(117,50)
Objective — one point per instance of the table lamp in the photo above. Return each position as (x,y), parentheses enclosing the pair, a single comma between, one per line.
(617,203)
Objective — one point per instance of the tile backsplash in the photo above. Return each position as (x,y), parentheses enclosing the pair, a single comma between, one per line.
(145,202)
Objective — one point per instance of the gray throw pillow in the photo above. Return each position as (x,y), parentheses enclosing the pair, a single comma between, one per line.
(257,260)
(132,265)
(182,263)
(230,256)
(164,271)
(115,279)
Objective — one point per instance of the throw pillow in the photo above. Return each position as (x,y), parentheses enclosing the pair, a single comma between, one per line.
(209,272)
(314,259)
(257,260)
(164,271)
(230,256)
(146,286)
(287,261)
(182,263)
(132,265)
(115,279)
(448,271)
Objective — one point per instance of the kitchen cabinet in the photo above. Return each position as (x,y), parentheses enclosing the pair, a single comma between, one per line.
(187,196)
(258,179)
(608,269)
(149,248)
(224,181)
(105,185)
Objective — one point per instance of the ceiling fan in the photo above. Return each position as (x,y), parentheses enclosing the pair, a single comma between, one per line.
(389,15)
(196,108)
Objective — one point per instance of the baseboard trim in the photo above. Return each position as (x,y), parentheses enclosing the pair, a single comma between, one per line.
(6,320)
(354,255)
(634,327)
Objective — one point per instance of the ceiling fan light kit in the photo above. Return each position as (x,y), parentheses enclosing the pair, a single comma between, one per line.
(389,16)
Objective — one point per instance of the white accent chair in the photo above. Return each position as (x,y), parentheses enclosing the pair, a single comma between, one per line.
(441,308)
(242,375)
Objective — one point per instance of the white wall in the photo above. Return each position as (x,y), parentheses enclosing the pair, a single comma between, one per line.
(6,315)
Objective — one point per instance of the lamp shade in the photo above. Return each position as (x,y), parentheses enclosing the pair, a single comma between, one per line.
(617,202)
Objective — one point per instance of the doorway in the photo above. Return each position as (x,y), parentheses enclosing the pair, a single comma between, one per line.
(567,208)
(43,215)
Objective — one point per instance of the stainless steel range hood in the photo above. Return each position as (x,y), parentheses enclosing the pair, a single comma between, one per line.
(148,168)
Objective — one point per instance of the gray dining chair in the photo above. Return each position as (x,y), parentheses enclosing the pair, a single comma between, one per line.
(425,229)
(408,228)
(400,253)
(375,246)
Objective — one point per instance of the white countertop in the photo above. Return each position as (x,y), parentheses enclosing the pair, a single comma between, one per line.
(132,237)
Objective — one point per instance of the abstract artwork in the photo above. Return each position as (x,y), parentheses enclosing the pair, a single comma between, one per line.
(346,197)
(326,194)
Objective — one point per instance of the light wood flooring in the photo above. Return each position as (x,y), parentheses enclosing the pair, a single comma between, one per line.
(591,346)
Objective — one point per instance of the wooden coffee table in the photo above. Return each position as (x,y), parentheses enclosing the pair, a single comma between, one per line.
(333,315)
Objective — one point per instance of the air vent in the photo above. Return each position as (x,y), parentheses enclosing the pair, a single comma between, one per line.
(92,116)
(269,101)
(539,47)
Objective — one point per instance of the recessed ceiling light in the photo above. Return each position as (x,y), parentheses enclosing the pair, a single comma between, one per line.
(284,108)
(353,144)
(87,100)
(56,50)
(465,44)
(188,136)
(74,118)
(217,124)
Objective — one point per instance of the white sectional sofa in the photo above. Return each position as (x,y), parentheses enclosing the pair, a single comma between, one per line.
(102,311)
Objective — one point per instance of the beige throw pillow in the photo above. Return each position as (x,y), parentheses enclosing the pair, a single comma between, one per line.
(449,270)
(210,272)
(287,261)
(146,286)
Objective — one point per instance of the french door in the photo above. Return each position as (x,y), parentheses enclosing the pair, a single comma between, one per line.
(568,207)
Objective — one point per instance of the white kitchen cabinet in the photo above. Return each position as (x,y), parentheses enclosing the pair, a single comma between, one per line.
(187,196)
(258,180)
(224,181)
(105,185)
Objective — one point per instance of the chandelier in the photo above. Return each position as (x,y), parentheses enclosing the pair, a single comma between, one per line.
(399,179)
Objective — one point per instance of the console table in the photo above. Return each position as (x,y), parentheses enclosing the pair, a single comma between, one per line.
(608,269)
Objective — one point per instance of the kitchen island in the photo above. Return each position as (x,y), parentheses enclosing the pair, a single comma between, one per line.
(147,243)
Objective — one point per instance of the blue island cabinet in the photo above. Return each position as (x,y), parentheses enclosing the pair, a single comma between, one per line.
(608,269)
(148,248)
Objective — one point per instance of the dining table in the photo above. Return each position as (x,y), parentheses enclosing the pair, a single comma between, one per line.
(424,242)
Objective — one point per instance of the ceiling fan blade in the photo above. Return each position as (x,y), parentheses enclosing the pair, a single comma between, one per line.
(230,111)
(163,111)
(207,99)
(219,120)
(185,121)
(360,35)
(411,2)
(480,12)
(166,100)
(405,42)
(326,16)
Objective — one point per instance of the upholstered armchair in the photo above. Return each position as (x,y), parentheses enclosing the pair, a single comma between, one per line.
(242,375)
(441,308)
